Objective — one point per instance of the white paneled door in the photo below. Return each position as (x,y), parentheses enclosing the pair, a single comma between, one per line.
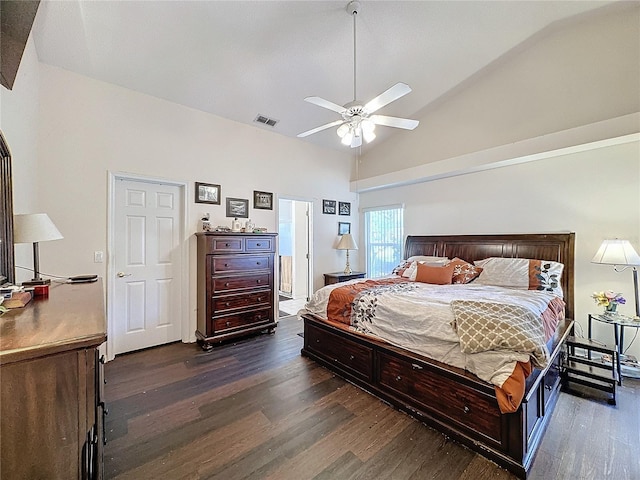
(147,219)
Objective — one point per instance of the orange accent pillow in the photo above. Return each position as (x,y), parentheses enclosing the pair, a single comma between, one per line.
(464,272)
(434,275)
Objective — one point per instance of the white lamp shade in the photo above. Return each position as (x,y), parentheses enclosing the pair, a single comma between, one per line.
(616,252)
(34,227)
(347,243)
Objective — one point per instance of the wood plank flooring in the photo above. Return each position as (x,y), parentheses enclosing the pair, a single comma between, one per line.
(256,409)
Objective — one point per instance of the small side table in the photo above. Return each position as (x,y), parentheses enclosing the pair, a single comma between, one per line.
(619,323)
(337,277)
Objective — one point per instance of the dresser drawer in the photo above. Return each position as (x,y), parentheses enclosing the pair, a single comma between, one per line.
(243,282)
(244,300)
(239,263)
(220,244)
(350,356)
(465,406)
(240,320)
(260,244)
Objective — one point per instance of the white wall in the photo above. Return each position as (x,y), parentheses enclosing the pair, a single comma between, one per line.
(575,74)
(595,194)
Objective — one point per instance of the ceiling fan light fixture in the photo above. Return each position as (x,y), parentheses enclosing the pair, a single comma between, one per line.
(348,137)
(342,130)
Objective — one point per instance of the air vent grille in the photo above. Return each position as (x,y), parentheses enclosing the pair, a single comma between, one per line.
(265,120)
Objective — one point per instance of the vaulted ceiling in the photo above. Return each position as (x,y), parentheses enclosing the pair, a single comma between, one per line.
(239,59)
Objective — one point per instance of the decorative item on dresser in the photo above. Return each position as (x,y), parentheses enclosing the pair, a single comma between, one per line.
(51,401)
(235,285)
(451,399)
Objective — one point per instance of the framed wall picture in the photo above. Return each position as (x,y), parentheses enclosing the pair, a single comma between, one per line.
(329,207)
(262,200)
(344,208)
(207,193)
(343,228)
(237,207)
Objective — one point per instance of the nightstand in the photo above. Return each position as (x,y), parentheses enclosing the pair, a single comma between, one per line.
(337,277)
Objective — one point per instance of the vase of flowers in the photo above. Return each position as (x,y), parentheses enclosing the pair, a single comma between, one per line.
(609,300)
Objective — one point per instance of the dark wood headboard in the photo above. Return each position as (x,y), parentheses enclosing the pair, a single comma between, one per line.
(558,247)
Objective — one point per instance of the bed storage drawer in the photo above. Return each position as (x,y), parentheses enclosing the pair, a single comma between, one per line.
(469,408)
(352,357)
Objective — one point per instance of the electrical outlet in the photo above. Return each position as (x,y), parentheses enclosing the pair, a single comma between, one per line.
(98,257)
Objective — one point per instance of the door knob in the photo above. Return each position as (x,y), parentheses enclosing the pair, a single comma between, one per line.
(122,274)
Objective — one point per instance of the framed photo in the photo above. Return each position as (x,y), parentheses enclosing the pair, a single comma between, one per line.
(344,208)
(263,200)
(329,207)
(207,193)
(344,227)
(237,207)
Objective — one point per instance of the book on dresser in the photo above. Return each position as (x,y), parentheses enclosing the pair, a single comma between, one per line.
(235,285)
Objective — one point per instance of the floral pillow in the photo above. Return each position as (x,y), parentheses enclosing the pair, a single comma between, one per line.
(464,272)
(524,273)
(408,267)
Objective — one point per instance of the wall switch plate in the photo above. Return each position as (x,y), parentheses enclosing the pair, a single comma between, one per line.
(98,257)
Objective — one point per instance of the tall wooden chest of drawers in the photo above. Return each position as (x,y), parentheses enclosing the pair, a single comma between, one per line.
(236,291)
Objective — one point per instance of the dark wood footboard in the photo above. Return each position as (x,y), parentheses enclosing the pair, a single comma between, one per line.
(449,399)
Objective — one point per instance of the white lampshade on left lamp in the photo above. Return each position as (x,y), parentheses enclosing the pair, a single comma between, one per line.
(347,243)
(35,228)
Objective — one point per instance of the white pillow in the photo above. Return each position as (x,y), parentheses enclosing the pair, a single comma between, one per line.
(522,273)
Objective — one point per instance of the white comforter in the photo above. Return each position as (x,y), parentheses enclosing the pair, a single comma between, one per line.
(420,318)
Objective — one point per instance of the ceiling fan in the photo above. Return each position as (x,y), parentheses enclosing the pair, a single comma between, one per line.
(358,120)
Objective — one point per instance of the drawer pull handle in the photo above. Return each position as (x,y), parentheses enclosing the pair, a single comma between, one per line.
(259,317)
(259,281)
(257,263)
(398,378)
(103,360)
(228,324)
(547,387)
(259,244)
(352,358)
(227,304)
(317,340)
(226,244)
(226,284)
(259,299)
(466,409)
(415,366)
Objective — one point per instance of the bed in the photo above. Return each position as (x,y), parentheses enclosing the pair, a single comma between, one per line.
(449,398)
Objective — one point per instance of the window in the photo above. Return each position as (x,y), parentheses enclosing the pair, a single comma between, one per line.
(383,239)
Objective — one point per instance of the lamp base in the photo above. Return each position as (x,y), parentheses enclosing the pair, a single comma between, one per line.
(36,281)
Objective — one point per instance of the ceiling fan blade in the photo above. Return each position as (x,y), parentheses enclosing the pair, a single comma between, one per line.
(385,98)
(320,128)
(396,122)
(321,102)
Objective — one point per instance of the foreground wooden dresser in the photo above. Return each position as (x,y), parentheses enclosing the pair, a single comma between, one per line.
(51,404)
(235,285)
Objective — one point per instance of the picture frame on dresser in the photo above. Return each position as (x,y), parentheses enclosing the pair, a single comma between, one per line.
(207,193)
(237,207)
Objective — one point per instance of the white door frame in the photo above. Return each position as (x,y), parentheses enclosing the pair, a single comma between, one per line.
(183,277)
(311,203)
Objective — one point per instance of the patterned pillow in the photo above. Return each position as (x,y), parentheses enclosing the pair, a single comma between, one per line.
(523,273)
(400,269)
(464,272)
(408,267)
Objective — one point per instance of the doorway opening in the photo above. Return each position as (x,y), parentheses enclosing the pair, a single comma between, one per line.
(295,261)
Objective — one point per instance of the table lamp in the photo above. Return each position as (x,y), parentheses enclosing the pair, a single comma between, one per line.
(347,243)
(620,253)
(35,228)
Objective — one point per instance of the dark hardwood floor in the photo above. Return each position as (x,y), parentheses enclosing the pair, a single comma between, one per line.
(255,409)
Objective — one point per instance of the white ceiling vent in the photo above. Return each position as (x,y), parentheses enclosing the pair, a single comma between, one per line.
(265,120)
